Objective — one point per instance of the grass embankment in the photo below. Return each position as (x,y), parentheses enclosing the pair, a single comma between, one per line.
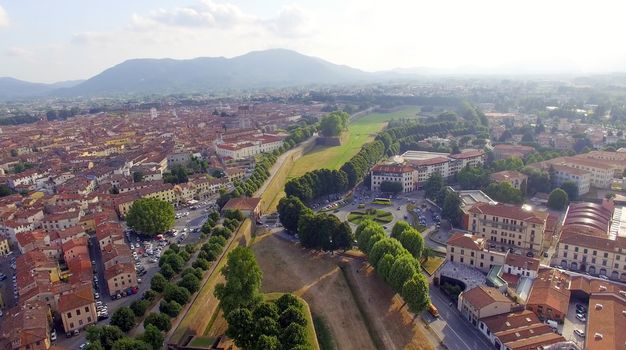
(205,305)
(324,338)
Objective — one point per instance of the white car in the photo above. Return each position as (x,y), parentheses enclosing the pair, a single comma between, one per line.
(580,333)
(53,336)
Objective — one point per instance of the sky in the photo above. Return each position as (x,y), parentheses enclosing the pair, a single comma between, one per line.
(48,41)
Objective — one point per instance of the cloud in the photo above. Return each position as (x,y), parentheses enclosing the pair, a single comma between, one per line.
(291,21)
(4,18)
(18,52)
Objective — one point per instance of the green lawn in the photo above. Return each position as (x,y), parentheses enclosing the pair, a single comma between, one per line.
(202,342)
(362,130)
(377,215)
(432,264)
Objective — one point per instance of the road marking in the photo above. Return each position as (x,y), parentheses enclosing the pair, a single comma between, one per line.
(450,326)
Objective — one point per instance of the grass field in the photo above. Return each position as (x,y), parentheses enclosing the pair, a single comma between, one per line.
(432,264)
(362,130)
(310,328)
(202,342)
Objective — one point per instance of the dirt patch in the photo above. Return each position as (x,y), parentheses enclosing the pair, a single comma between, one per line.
(318,279)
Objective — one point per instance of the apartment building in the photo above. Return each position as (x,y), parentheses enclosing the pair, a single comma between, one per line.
(250,146)
(517,227)
(516,179)
(564,173)
(520,330)
(61,221)
(504,151)
(121,279)
(549,296)
(593,240)
(78,309)
(473,251)
(482,301)
(398,173)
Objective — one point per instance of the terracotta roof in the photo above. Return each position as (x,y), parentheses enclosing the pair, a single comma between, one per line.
(606,322)
(242,203)
(551,288)
(81,296)
(468,154)
(483,296)
(465,240)
(118,269)
(509,211)
(25,324)
(394,168)
(507,175)
(523,262)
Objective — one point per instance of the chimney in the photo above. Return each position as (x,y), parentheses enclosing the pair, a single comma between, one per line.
(608,204)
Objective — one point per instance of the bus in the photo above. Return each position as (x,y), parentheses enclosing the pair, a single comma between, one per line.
(385,201)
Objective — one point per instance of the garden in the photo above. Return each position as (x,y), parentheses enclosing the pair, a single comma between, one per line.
(378,215)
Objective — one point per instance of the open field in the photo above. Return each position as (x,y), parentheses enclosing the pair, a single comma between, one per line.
(360,131)
(318,279)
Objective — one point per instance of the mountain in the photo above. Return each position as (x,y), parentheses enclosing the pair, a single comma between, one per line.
(11,88)
(257,69)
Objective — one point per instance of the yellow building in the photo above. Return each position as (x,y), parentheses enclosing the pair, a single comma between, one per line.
(5,247)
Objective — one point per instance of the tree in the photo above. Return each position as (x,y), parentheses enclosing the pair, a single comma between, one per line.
(402,269)
(451,209)
(153,336)
(511,163)
(391,187)
(123,318)
(170,308)
(139,307)
(290,209)
(571,189)
(582,144)
(415,293)
(558,199)
(267,342)
(384,266)
(130,344)
(400,227)
(158,282)
(384,246)
(334,123)
(293,336)
(176,293)
(433,185)
(324,231)
(159,320)
(504,192)
(266,309)
(104,335)
(412,241)
(291,315)
(150,216)
(190,282)
(473,178)
(243,280)
(167,271)
(93,346)
(265,325)
(149,295)
(5,190)
(240,324)
(288,300)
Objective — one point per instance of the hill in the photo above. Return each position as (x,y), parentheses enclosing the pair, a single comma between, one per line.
(258,69)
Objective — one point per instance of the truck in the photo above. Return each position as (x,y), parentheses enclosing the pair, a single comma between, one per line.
(433,310)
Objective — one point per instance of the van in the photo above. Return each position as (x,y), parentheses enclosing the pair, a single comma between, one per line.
(552,324)
(433,310)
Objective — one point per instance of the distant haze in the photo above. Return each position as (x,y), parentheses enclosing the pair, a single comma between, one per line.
(50,41)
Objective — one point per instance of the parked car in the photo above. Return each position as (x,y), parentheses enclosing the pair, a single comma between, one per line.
(581,309)
(580,333)
(53,335)
(581,317)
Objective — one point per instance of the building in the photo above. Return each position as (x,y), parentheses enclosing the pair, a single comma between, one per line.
(121,279)
(606,321)
(516,179)
(482,301)
(521,330)
(26,327)
(564,173)
(78,309)
(249,207)
(473,251)
(520,265)
(593,240)
(5,246)
(249,146)
(413,168)
(397,173)
(504,151)
(507,225)
(550,294)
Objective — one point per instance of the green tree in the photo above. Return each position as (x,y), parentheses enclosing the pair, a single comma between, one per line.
(290,209)
(384,266)
(473,178)
(130,344)
(400,227)
(412,241)
(240,324)
(433,185)
(150,216)
(93,346)
(291,315)
(267,342)
(334,123)
(571,189)
(158,282)
(288,300)
(104,335)
(402,269)
(391,187)
(139,307)
(384,246)
(170,308)
(504,192)
(153,336)
(190,282)
(176,293)
(243,280)
(266,309)
(159,320)
(415,293)
(512,163)
(123,318)
(451,209)
(137,176)
(292,336)
(167,271)
(149,295)
(5,190)
(558,199)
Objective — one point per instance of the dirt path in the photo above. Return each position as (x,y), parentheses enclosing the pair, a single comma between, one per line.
(320,282)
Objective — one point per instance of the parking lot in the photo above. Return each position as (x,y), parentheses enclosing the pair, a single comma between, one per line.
(7,282)
(572,323)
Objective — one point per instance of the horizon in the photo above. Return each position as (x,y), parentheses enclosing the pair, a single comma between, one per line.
(71,40)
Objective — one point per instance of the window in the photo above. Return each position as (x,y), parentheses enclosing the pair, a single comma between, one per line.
(606,255)
(69,315)
(585,251)
(472,254)
(576,249)
(491,258)
(86,308)
(89,319)
(566,246)
(78,312)
(452,249)
(80,322)
(72,325)
(461,259)
(463,251)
